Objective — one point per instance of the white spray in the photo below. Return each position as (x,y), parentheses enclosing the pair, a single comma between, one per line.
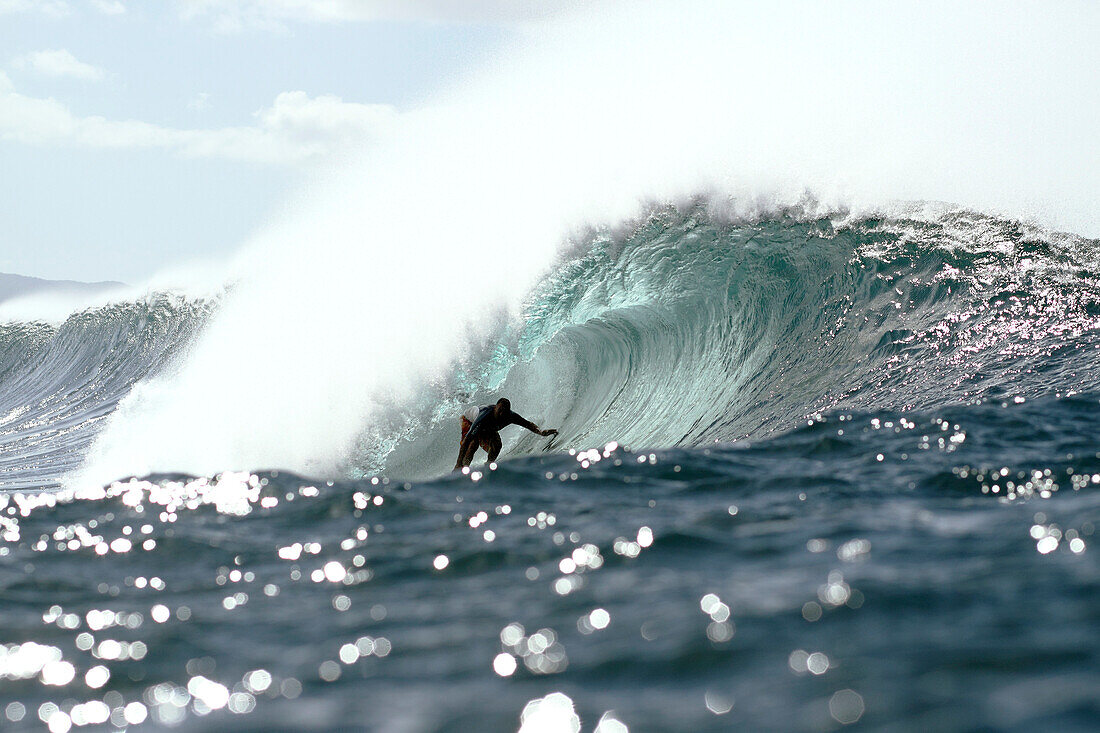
(373,282)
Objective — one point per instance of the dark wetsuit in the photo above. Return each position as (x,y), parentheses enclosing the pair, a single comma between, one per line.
(484,431)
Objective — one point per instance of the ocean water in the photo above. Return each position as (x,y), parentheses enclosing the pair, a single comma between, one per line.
(813,473)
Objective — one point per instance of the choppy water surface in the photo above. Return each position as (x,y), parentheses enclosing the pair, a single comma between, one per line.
(875,505)
(917,571)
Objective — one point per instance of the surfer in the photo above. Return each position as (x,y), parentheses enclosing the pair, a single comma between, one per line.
(482,426)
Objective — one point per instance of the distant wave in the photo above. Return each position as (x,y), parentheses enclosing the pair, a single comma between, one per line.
(58,382)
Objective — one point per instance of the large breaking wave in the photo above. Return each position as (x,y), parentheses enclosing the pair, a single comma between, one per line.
(365,317)
(679,329)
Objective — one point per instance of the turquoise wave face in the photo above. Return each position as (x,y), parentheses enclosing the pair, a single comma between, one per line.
(690,331)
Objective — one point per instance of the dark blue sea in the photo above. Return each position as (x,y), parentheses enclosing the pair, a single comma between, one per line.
(812,474)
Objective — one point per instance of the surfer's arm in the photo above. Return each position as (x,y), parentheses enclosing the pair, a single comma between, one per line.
(524,423)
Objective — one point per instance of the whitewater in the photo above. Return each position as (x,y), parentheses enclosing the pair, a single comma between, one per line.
(827,449)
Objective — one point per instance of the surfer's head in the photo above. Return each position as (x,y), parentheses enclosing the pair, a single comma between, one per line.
(503,406)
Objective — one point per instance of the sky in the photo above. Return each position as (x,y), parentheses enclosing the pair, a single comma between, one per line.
(138,136)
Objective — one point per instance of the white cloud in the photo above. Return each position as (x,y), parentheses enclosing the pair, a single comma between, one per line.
(54,8)
(109,7)
(236,15)
(58,62)
(295,129)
